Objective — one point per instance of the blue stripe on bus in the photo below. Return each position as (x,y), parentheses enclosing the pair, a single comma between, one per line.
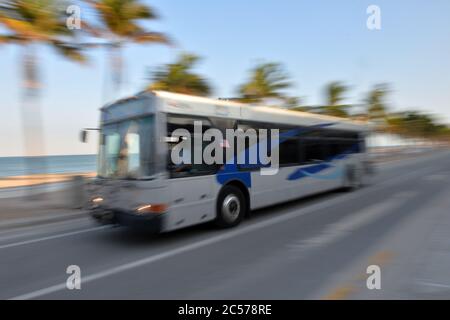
(313,170)
(244,177)
(230,171)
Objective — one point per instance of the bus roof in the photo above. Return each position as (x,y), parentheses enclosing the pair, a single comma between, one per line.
(193,105)
(208,107)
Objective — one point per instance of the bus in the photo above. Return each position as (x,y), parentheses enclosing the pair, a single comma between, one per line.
(138,184)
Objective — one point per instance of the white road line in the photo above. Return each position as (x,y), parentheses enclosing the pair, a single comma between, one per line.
(340,229)
(433,284)
(40,230)
(224,236)
(57,236)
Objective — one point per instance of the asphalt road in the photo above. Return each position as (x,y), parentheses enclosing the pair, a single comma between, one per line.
(314,248)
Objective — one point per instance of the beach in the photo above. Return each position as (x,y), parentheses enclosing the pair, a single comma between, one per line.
(18,172)
(40,179)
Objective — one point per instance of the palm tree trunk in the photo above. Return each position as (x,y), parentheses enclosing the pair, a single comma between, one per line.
(31,115)
(117,69)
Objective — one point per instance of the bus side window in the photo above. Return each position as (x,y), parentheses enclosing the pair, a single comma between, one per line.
(313,150)
(312,143)
(290,152)
(182,170)
(252,142)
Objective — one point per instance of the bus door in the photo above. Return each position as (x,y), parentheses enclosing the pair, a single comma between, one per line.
(190,184)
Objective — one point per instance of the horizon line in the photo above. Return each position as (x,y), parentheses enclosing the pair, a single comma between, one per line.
(50,155)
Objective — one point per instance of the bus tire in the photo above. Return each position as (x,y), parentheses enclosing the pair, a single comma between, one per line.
(231,207)
(353,178)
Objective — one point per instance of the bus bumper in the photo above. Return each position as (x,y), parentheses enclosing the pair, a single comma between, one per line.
(148,223)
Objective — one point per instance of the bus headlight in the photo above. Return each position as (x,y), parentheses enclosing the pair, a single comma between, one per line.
(152,208)
(96,202)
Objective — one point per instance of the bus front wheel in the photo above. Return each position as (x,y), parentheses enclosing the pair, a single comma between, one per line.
(231,207)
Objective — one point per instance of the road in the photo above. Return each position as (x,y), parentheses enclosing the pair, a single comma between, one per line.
(314,248)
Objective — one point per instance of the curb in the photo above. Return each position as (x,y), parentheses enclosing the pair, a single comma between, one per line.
(19,192)
(27,222)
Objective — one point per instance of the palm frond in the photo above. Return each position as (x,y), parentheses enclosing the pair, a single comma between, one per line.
(40,21)
(121,19)
(267,80)
(9,39)
(151,37)
(70,51)
(178,77)
(23,29)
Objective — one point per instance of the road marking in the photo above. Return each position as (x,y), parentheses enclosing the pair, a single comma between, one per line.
(36,231)
(340,229)
(344,291)
(57,236)
(340,293)
(433,284)
(437,177)
(227,235)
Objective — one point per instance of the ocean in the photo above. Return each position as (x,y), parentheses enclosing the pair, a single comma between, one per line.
(17,166)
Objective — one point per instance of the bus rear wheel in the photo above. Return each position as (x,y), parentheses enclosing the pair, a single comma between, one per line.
(354,178)
(231,207)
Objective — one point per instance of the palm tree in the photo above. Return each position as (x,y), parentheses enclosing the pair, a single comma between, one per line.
(267,80)
(178,77)
(376,107)
(334,94)
(31,23)
(120,25)
(415,124)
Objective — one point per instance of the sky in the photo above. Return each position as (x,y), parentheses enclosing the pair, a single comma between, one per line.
(317,41)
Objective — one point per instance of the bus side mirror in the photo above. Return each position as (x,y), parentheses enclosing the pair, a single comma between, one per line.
(84,135)
(174,139)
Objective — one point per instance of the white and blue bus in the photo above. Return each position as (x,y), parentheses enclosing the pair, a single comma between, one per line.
(138,185)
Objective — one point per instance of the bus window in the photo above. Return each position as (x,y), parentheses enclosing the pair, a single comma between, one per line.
(289,152)
(248,155)
(313,150)
(188,169)
(133,142)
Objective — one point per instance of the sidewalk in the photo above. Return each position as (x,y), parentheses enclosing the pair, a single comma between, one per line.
(39,179)
(40,208)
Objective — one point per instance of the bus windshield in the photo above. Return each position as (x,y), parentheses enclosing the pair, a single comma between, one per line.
(126,149)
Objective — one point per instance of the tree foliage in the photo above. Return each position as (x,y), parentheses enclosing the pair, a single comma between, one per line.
(267,80)
(179,77)
(335,95)
(415,124)
(120,22)
(376,105)
(28,22)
